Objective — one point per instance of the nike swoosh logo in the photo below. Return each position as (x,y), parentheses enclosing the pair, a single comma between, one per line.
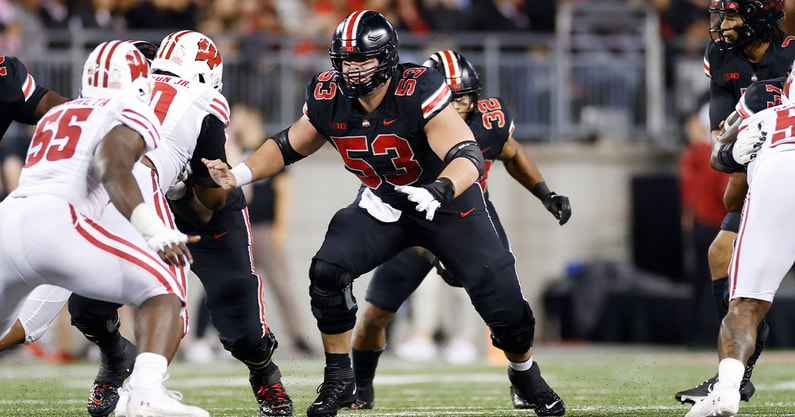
(484,150)
(95,400)
(219,235)
(389,122)
(466,213)
(549,406)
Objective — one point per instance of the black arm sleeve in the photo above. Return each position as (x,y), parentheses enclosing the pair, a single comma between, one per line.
(210,145)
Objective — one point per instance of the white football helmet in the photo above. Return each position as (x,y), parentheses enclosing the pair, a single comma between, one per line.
(191,56)
(116,67)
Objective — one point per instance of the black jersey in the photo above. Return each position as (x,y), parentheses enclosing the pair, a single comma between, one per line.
(388,146)
(492,126)
(730,74)
(761,95)
(19,94)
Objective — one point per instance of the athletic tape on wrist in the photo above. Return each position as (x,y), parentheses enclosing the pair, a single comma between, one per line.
(146,221)
(242,174)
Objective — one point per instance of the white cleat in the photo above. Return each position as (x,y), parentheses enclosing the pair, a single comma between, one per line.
(719,403)
(159,403)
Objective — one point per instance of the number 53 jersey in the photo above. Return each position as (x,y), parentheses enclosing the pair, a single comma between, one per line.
(388,146)
(60,159)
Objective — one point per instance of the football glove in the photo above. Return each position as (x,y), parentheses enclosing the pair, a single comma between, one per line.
(177,191)
(556,204)
(429,197)
(748,143)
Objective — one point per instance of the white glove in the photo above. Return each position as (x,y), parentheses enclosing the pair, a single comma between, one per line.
(748,143)
(425,200)
(166,238)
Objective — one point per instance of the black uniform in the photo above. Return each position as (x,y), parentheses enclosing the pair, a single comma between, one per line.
(19,94)
(385,148)
(730,75)
(395,280)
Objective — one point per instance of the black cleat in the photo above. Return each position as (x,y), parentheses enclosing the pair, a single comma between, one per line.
(113,370)
(273,400)
(535,392)
(518,401)
(337,391)
(702,390)
(365,398)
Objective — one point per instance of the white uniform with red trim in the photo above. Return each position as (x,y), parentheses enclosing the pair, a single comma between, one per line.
(49,227)
(765,246)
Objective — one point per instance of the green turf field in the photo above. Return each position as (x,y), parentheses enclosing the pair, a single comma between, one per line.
(593,380)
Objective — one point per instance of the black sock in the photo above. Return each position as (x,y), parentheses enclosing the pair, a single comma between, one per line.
(720,296)
(338,360)
(364,364)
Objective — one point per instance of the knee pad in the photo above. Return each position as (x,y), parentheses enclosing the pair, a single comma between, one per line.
(256,356)
(517,336)
(95,319)
(331,294)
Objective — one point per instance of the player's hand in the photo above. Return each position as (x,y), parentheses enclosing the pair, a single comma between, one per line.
(559,206)
(219,172)
(422,196)
(749,141)
(729,128)
(171,245)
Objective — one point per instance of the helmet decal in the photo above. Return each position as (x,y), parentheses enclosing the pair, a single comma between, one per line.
(115,66)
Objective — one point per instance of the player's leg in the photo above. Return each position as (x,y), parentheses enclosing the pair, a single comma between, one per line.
(235,301)
(473,251)
(755,277)
(390,286)
(355,243)
(40,309)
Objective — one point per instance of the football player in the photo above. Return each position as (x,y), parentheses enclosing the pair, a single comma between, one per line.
(748,45)
(764,146)
(395,129)
(81,157)
(393,282)
(187,99)
(23,100)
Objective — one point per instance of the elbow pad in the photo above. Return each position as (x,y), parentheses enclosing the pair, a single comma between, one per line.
(468,149)
(288,153)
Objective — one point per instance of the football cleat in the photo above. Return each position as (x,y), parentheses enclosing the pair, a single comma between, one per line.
(518,401)
(338,390)
(157,402)
(113,370)
(703,389)
(273,400)
(365,398)
(531,386)
(720,402)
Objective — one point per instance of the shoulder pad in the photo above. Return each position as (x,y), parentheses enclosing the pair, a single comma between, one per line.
(219,107)
(15,81)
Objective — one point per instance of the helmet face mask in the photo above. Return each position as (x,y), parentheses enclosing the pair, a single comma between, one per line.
(460,75)
(361,36)
(191,56)
(115,67)
(750,20)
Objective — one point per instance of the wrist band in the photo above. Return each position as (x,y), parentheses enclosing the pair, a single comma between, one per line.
(146,221)
(242,174)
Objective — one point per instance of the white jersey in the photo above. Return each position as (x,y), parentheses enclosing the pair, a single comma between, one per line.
(181,107)
(764,250)
(60,158)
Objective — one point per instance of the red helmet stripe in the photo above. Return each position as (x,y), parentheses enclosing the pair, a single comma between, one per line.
(451,69)
(103,62)
(349,30)
(172,40)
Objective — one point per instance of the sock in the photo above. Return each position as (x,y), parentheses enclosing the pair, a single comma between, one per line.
(730,373)
(338,360)
(364,364)
(719,297)
(521,366)
(150,368)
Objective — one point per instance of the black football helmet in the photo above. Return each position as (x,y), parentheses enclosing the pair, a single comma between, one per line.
(459,73)
(761,19)
(147,48)
(364,34)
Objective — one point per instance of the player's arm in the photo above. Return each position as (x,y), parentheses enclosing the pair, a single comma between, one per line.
(446,132)
(114,158)
(48,101)
(734,195)
(521,166)
(300,140)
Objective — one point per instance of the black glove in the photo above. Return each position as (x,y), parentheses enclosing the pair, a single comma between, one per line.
(558,205)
